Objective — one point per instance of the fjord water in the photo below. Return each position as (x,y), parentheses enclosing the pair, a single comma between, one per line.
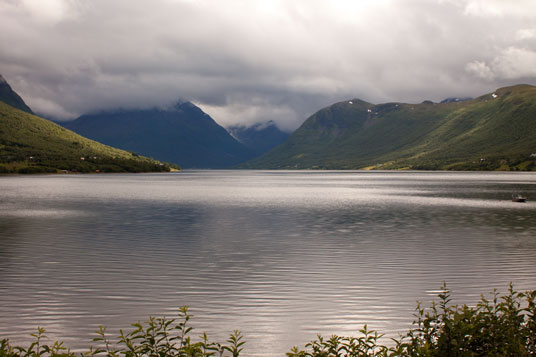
(279,255)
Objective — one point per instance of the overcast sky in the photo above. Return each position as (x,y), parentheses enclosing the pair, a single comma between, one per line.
(251,61)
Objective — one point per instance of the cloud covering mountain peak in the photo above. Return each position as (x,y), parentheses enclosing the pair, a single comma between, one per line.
(245,62)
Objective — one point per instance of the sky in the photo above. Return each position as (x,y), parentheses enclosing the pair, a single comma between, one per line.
(247,61)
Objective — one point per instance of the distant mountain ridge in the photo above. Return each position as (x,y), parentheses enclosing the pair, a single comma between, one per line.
(455,99)
(183,134)
(260,137)
(10,97)
(494,131)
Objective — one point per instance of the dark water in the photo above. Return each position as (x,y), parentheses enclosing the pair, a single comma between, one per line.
(281,256)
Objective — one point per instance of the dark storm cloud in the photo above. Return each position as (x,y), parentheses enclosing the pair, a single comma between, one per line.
(249,61)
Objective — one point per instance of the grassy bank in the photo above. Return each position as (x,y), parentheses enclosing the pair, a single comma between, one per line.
(500,325)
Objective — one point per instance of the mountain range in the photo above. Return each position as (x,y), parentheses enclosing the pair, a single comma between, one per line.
(496,131)
(183,135)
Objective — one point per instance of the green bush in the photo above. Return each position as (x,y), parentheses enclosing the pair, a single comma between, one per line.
(156,337)
(502,326)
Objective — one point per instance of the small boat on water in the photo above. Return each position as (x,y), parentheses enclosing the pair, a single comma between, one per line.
(516,197)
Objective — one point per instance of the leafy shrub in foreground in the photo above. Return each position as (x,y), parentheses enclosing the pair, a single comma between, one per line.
(156,337)
(502,326)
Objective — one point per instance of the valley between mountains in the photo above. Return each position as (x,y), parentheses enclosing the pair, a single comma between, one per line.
(496,131)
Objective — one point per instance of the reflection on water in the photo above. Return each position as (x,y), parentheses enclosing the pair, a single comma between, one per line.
(281,256)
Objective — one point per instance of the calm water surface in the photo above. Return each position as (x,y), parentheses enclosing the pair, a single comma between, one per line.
(281,256)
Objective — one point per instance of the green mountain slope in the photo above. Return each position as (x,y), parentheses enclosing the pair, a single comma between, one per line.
(31,144)
(494,131)
(9,96)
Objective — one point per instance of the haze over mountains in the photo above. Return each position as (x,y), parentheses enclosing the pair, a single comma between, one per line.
(260,137)
(10,97)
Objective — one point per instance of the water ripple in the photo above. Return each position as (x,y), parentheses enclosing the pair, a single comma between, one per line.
(280,255)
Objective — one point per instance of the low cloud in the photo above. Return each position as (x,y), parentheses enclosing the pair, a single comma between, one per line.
(481,70)
(516,63)
(511,64)
(525,34)
(251,61)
